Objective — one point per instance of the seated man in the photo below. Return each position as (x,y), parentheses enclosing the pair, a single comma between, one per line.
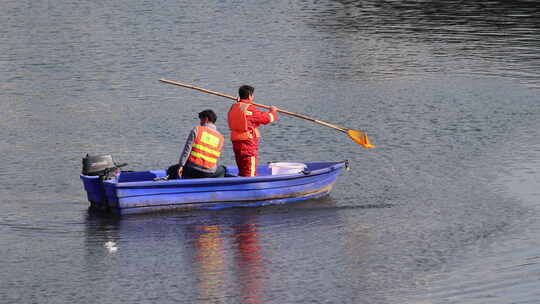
(201,152)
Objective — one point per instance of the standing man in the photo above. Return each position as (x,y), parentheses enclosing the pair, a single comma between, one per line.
(244,119)
(202,150)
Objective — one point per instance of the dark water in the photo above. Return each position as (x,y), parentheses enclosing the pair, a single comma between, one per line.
(445,210)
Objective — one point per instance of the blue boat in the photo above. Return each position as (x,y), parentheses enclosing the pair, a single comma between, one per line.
(148,191)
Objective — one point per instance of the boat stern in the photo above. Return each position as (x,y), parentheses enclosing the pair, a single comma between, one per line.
(94,190)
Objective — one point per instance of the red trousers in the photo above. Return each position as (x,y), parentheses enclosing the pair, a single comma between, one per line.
(247,164)
(246,153)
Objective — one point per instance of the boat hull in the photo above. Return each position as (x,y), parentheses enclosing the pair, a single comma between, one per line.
(137,192)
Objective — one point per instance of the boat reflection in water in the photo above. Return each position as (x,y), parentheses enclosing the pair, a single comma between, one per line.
(199,257)
(242,255)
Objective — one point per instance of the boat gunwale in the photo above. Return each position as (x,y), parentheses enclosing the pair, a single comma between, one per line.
(228,180)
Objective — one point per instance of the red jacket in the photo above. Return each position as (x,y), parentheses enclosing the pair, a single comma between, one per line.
(244,118)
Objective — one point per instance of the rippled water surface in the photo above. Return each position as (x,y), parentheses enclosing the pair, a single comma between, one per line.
(444,210)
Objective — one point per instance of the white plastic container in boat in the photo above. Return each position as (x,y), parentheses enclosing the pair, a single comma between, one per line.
(286,168)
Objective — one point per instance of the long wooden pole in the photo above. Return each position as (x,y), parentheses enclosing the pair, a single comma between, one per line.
(358,136)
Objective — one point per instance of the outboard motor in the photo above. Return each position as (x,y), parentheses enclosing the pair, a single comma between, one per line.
(100,165)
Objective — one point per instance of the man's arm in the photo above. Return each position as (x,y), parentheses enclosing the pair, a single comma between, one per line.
(187,147)
(259,117)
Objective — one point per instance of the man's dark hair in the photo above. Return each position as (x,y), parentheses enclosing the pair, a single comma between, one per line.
(245,90)
(212,117)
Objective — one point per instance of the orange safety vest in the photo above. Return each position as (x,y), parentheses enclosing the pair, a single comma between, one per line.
(206,148)
(238,122)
